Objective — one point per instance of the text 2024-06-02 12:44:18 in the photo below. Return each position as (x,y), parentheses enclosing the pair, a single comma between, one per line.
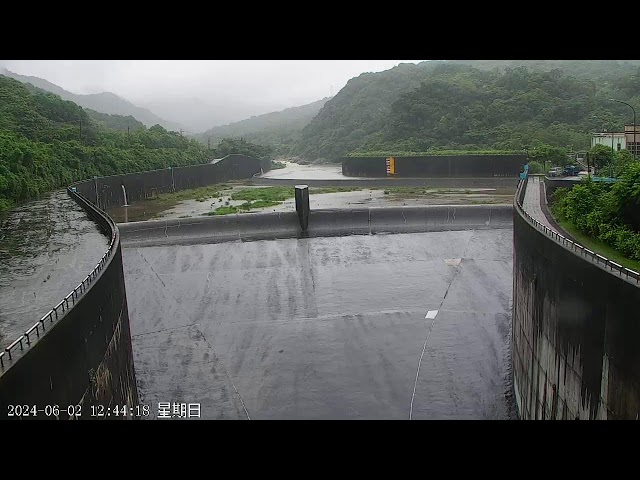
(165,410)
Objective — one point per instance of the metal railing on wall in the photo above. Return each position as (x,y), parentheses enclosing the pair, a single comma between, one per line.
(571,245)
(57,312)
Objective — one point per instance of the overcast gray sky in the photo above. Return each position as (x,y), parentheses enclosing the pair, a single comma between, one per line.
(276,81)
(259,86)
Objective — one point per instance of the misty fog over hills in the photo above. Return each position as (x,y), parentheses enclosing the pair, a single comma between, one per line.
(193,115)
(279,130)
(105,102)
(199,114)
(414,106)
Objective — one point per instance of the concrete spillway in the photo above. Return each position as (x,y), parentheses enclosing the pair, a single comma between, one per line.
(325,328)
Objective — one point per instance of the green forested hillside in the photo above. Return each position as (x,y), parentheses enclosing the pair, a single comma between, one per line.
(279,130)
(578,68)
(450,105)
(47,143)
(106,102)
(115,122)
(359,110)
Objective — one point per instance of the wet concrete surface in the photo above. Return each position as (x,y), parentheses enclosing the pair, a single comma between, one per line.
(531,202)
(47,247)
(326,328)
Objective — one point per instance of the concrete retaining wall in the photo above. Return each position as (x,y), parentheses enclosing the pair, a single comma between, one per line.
(148,184)
(83,358)
(451,166)
(491,182)
(575,333)
(367,221)
(551,184)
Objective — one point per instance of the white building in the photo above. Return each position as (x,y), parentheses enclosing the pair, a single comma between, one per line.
(615,140)
(619,140)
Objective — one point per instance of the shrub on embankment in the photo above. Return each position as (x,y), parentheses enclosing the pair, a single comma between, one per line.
(607,212)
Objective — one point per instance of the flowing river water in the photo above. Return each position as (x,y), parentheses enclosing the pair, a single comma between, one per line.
(47,247)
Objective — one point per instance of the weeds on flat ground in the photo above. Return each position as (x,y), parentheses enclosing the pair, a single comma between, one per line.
(270,194)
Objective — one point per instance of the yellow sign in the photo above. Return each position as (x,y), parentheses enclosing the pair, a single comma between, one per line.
(391,166)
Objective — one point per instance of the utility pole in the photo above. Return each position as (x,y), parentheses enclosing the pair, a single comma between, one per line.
(208,143)
(128,137)
(180,132)
(80,121)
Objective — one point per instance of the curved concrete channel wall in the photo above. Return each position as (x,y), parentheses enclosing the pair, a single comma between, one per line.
(106,192)
(322,223)
(76,361)
(575,328)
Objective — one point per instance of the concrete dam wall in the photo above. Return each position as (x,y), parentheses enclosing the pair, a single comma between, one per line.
(78,356)
(574,316)
(575,329)
(321,223)
(362,182)
(142,185)
(436,166)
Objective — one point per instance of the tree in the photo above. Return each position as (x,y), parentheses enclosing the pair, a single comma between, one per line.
(228,146)
(546,153)
(601,157)
(626,196)
(623,159)
(158,128)
(40,149)
(535,167)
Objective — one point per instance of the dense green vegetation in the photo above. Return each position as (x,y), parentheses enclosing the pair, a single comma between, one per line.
(463,105)
(596,245)
(106,102)
(578,68)
(239,145)
(266,194)
(609,163)
(115,122)
(609,213)
(47,143)
(537,167)
(278,130)
(449,105)
(547,156)
(359,110)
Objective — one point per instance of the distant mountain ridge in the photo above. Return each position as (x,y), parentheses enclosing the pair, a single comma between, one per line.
(577,68)
(105,102)
(278,130)
(472,104)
